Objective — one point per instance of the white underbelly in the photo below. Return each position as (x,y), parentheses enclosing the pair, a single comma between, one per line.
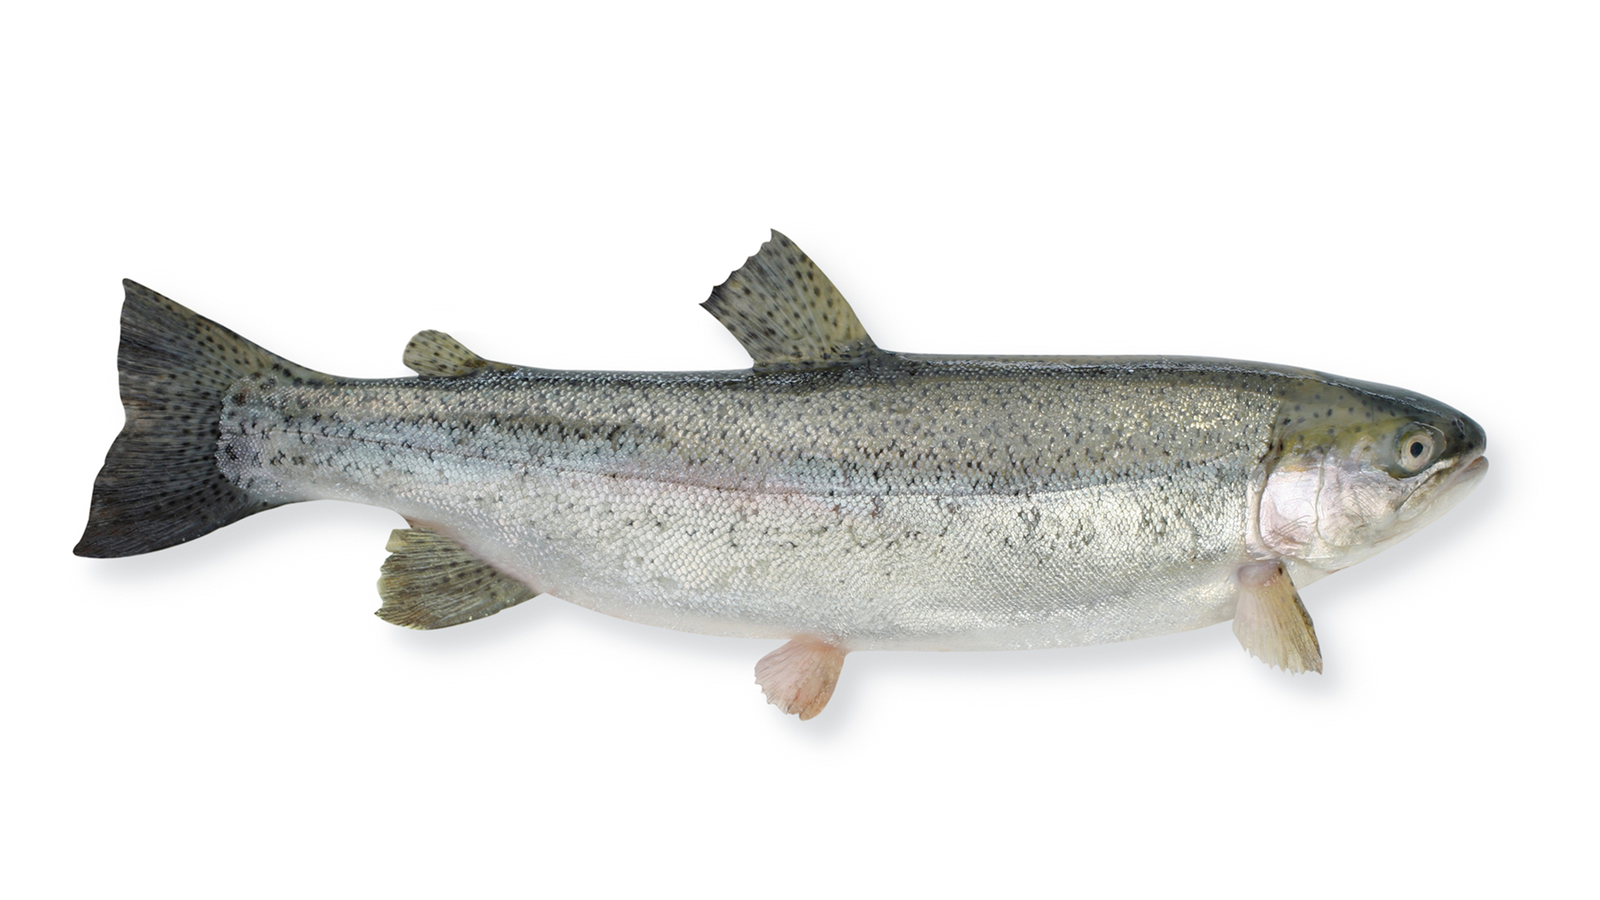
(1094,565)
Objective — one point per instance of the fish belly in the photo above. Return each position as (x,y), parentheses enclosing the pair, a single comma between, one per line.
(868,572)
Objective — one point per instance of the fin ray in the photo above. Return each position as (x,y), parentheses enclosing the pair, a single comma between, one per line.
(160,484)
(799,677)
(1272,623)
(430,581)
(787,314)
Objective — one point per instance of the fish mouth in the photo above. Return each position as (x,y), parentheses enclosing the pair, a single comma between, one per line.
(1473,471)
(1436,499)
(1465,478)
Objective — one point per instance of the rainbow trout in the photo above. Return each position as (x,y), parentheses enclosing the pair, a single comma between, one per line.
(837,495)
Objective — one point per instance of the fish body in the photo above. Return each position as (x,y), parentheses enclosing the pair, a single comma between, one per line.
(916,503)
(837,495)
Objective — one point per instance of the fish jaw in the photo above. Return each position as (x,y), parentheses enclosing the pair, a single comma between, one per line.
(1424,508)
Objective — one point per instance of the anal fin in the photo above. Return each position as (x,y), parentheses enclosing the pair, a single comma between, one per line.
(1271,622)
(438,354)
(800,676)
(429,581)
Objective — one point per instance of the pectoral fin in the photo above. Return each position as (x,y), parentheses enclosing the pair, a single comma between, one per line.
(799,677)
(429,581)
(1271,622)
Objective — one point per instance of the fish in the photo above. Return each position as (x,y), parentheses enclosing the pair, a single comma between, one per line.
(835,495)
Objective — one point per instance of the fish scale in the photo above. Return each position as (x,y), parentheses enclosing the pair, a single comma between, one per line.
(835,494)
(956,513)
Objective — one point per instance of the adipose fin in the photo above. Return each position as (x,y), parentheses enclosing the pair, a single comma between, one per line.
(436,353)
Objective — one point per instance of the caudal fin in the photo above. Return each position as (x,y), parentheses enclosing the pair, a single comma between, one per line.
(160,485)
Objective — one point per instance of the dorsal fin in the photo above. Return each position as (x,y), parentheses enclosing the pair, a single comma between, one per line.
(430,582)
(438,354)
(787,314)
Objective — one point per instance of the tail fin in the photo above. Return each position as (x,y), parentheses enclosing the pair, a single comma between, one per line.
(160,485)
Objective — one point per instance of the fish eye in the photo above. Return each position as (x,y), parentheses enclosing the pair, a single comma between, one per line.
(1416,450)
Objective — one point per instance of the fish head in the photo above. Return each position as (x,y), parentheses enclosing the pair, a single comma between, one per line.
(1355,468)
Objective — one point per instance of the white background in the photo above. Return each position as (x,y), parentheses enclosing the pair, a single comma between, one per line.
(1398,192)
